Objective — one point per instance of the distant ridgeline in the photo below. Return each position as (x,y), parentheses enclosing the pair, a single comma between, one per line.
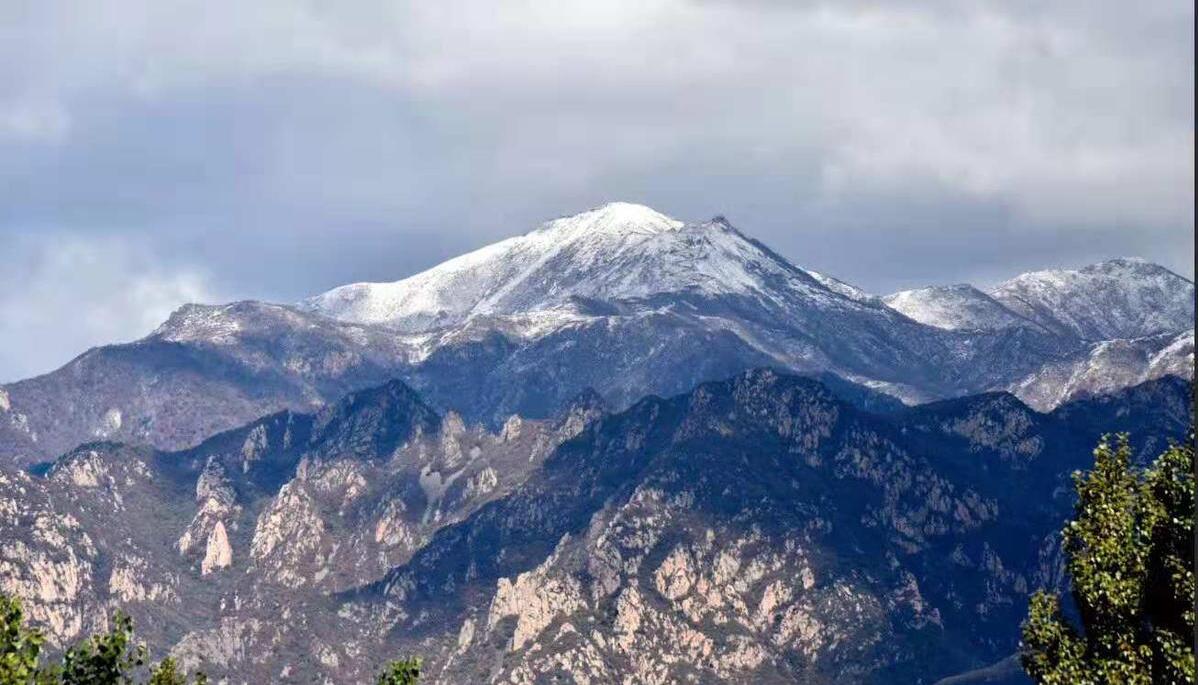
(620,300)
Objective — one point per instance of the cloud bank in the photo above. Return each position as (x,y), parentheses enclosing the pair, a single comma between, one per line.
(280,148)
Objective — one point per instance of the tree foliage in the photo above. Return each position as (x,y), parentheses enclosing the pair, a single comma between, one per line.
(1130,558)
(109,658)
(20,648)
(167,673)
(114,657)
(400,672)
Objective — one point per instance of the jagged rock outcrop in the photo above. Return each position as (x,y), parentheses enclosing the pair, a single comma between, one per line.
(204,545)
(760,531)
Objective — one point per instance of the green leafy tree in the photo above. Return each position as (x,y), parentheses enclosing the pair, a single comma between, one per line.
(400,672)
(1130,558)
(20,647)
(167,673)
(111,658)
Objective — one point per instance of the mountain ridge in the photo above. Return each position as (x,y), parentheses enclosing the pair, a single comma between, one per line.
(955,307)
(618,251)
(1118,298)
(734,524)
(620,299)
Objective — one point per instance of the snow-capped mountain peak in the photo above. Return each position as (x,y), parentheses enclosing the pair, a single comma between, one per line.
(612,218)
(618,252)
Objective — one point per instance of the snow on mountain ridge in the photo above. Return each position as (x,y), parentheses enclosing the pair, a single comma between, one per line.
(616,252)
(954,307)
(838,286)
(1107,366)
(622,253)
(1118,298)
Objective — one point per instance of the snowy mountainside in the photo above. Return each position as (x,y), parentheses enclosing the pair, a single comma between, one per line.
(624,272)
(615,252)
(955,307)
(838,286)
(1107,366)
(1120,298)
(621,300)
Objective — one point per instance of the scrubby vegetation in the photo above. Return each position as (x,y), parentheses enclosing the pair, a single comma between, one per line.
(112,658)
(400,672)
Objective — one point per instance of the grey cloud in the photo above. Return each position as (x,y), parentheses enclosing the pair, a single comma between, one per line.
(74,292)
(280,148)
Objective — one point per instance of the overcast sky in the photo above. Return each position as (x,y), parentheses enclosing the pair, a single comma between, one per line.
(153,153)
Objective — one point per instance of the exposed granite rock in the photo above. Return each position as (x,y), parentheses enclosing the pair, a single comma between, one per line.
(753,531)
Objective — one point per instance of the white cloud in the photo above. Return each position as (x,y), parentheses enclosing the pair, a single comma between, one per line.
(71,292)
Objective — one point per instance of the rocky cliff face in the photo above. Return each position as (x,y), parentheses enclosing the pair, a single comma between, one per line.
(758,531)
(204,546)
(754,530)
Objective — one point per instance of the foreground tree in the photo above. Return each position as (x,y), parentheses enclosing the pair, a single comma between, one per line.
(20,648)
(1130,557)
(111,658)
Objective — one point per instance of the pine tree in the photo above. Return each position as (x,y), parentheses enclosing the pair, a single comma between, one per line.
(1130,557)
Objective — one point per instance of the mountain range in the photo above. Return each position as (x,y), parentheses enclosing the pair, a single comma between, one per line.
(753,530)
(620,300)
(617,448)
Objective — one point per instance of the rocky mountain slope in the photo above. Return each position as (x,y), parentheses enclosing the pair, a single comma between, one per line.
(753,530)
(291,507)
(1107,366)
(204,370)
(619,299)
(759,531)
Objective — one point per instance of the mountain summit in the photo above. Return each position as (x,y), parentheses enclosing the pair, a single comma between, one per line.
(612,253)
